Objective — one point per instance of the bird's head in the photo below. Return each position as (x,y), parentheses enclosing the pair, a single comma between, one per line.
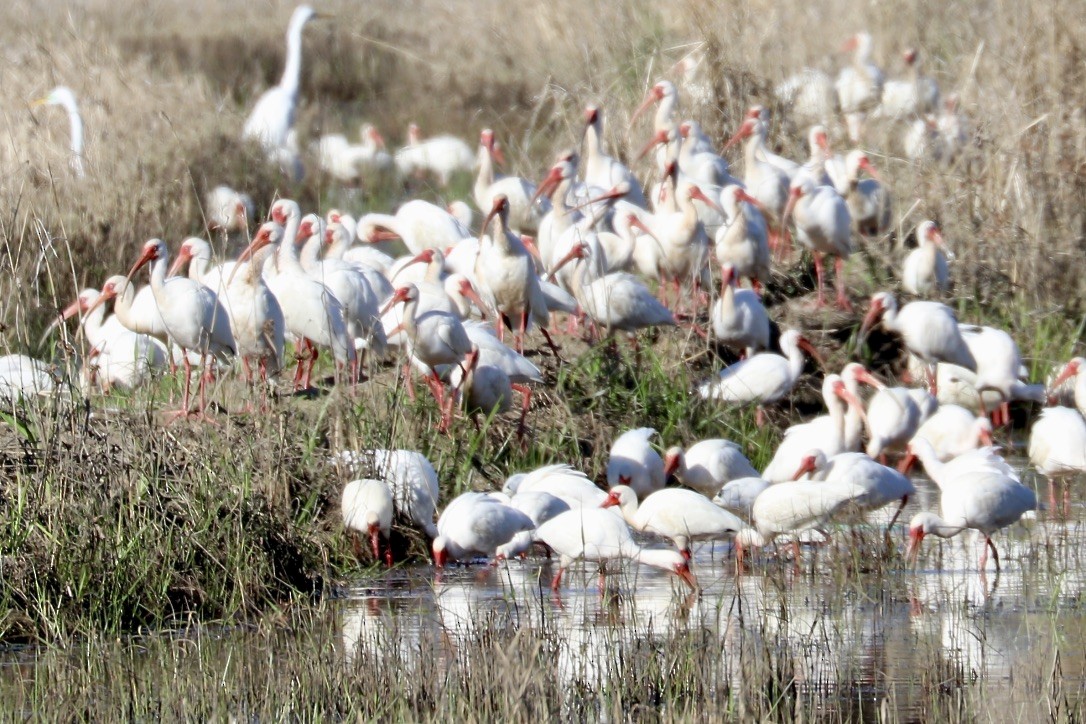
(440,551)
(403,295)
(185,253)
(282,210)
(656,93)
(372,134)
(309,226)
(465,289)
(818,138)
(910,55)
(930,232)
(727,276)
(919,526)
(620,495)
(984,432)
(680,566)
(153,250)
(591,115)
(694,193)
(839,389)
(1071,369)
(857,161)
(499,208)
(809,464)
(558,172)
(746,130)
(673,461)
(880,303)
(658,138)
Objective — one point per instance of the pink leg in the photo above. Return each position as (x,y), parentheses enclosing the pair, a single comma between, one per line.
(526,393)
(839,282)
(820,300)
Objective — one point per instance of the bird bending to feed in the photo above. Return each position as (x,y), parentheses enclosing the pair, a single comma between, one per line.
(682,516)
(594,534)
(985,501)
(708,465)
(928,329)
(367,508)
(634,463)
(476,524)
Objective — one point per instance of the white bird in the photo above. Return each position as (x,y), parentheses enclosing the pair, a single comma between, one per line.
(811,95)
(524,213)
(311,313)
(366,506)
(882,485)
(602,171)
(954,430)
(420,224)
(634,463)
(739,495)
(999,369)
(868,198)
(708,465)
(985,501)
(925,270)
(823,225)
(793,507)
(64,97)
(256,318)
(487,388)
(352,163)
(562,481)
(272,118)
(739,320)
(743,239)
(23,377)
(476,524)
(442,156)
(410,477)
(983,459)
(953,128)
(682,516)
(118,357)
(1073,372)
(763,378)
(928,329)
(914,96)
(859,85)
(593,534)
(764,181)
(228,210)
(195,319)
(698,160)
(893,417)
(1057,442)
(828,434)
(435,339)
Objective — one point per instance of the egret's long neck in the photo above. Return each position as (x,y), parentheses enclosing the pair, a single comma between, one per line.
(292,71)
(75,121)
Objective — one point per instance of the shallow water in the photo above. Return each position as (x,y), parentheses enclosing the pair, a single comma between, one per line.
(843,635)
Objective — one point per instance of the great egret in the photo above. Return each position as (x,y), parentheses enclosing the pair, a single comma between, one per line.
(272,119)
(63,96)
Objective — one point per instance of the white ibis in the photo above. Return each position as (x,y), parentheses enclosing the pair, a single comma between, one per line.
(928,329)
(985,501)
(256,318)
(365,259)
(594,534)
(881,485)
(602,171)
(227,210)
(999,369)
(118,357)
(311,313)
(827,434)
(982,459)
(410,477)
(739,320)
(23,377)
(823,225)
(64,97)
(739,495)
(859,85)
(367,508)
(616,301)
(351,163)
(893,417)
(633,462)
(786,165)
(194,318)
(505,272)
(1057,442)
(953,126)
(868,198)
(361,306)
(524,212)
(925,271)
(789,508)
(763,181)
(810,94)
(915,95)
(683,243)
(682,516)
(442,156)
(708,465)
(560,480)
(487,388)
(476,524)
(435,338)
(954,430)
(555,186)
(664,94)
(1073,371)
(700,163)
(743,239)
(763,378)
(420,224)
(272,119)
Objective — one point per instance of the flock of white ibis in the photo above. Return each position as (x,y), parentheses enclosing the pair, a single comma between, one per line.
(585,249)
